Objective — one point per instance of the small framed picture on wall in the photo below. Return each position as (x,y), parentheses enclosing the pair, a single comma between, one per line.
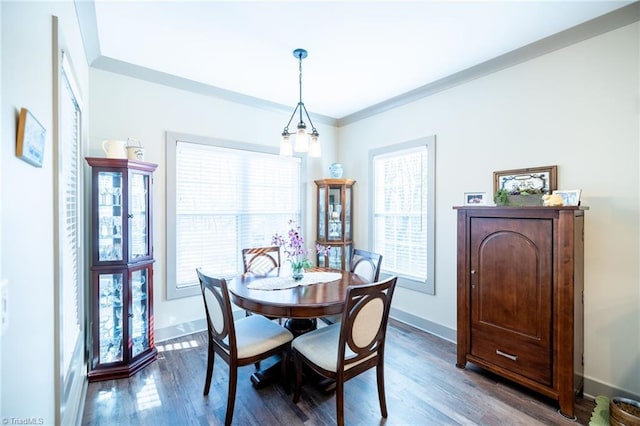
(31,139)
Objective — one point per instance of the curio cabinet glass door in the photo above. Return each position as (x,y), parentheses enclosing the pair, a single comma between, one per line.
(121,340)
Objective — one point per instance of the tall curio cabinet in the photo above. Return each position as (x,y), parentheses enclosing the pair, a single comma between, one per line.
(121,340)
(335,221)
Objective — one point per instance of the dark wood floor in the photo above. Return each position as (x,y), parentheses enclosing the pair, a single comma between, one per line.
(423,388)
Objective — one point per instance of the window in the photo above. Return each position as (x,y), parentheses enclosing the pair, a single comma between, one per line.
(70,236)
(402,205)
(69,229)
(69,250)
(223,197)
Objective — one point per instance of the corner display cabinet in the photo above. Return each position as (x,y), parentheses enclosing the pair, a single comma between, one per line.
(520,296)
(335,221)
(122,268)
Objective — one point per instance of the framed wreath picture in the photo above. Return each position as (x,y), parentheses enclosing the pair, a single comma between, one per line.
(31,139)
(524,186)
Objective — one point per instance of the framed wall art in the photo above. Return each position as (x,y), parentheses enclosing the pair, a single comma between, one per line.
(31,139)
(535,180)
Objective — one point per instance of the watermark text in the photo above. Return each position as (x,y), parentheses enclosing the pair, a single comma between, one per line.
(22,421)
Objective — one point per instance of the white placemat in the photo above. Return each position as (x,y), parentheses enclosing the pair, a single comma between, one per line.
(280,283)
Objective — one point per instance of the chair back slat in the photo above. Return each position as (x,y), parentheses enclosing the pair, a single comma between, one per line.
(218,310)
(366,264)
(364,321)
(261,260)
(367,323)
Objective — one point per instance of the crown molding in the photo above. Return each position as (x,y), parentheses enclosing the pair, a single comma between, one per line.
(613,20)
(85,10)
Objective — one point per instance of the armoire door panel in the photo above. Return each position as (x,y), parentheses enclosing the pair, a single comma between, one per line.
(511,278)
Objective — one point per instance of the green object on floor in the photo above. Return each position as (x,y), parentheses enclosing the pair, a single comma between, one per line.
(600,415)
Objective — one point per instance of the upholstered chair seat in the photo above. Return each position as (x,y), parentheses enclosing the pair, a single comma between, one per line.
(321,348)
(256,334)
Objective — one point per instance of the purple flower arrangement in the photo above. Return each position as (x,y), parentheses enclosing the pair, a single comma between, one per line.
(295,250)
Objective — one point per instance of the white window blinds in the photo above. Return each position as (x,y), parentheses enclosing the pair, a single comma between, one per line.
(228,199)
(402,205)
(71,261)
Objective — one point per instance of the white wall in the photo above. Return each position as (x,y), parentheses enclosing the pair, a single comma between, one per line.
(124,107)
(29,382)
(576,108)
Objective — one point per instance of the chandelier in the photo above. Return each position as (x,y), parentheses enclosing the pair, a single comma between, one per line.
(304,142)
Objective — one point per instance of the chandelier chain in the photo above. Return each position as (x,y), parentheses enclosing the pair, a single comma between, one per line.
(301,104)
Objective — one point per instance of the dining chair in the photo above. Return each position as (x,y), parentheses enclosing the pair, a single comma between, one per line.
(261,260)
(343,350)
(241,342)
(366,264)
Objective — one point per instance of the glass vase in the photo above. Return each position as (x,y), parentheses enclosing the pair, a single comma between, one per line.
(297,272)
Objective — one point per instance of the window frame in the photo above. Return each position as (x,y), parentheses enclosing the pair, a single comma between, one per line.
(172,138)
(70,354)
(427,286)
(68,84)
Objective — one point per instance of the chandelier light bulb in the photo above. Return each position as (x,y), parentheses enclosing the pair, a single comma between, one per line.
(302,140)
(286,148)
(314,147)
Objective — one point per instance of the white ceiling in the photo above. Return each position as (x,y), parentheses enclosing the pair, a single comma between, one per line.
(360,52)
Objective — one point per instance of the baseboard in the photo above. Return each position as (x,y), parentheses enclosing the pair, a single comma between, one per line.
(83,397)
(593,388)
(74,393)
(179,330)
(425,325)
(195,326)
(186,328)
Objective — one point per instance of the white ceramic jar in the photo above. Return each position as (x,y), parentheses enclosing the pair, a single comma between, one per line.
(335,170)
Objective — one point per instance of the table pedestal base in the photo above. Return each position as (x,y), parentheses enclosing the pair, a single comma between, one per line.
(271,369)
(270,372)
(298,326)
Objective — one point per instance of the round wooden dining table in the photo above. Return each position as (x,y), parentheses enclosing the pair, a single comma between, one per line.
(300,305)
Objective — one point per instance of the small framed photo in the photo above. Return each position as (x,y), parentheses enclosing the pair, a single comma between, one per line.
(475,198)
(569,197)
(31,138)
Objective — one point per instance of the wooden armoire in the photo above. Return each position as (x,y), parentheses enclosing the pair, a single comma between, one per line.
(520,296)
